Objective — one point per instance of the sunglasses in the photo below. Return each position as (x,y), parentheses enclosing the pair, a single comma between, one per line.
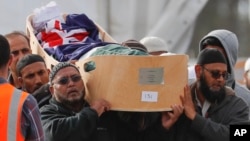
(216,74)
(65,80)
(24,51)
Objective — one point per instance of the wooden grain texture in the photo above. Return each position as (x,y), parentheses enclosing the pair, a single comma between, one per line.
(116,79)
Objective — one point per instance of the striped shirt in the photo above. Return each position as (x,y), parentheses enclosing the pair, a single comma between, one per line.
(31,121)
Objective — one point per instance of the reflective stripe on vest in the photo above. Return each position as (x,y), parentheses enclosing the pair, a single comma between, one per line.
(11,100)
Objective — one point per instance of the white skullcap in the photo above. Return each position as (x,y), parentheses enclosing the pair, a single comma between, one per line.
(154,44)
(247,65)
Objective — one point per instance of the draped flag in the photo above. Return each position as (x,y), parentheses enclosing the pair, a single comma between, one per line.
(69,39)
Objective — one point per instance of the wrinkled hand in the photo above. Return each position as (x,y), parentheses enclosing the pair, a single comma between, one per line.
(169,118)
(187,103)
(100,106)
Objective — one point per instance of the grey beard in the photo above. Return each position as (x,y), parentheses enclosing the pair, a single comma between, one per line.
(75,105)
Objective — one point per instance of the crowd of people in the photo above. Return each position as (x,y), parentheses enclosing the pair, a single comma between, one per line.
(43,104)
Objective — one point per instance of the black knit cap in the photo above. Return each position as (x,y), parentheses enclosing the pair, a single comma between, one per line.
(27,60)
(210,55)
(58,67)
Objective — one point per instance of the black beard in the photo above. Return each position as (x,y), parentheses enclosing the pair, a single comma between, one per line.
(211,96)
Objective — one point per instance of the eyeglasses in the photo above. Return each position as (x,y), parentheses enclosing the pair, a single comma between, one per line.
(65,80)
(216,74)
(24,51)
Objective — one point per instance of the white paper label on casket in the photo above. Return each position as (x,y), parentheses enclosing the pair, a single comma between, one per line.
(149,96)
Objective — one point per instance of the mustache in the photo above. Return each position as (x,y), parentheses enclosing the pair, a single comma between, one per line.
(72,90)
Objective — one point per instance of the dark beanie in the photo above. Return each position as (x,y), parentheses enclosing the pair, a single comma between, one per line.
(134,44)
(27,60)
(58,67)
(210,55)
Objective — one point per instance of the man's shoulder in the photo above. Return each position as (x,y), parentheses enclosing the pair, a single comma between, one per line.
(30,102)
(242,92)
(241,89)
(52,107)
(42,95)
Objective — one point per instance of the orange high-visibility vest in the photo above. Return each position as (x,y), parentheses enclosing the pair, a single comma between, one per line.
(11,104)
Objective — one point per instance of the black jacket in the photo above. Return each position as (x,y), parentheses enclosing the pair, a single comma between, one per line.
(215,127)
(42,95)
(61,124)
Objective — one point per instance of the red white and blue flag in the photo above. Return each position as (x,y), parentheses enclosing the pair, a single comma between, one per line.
(70,39)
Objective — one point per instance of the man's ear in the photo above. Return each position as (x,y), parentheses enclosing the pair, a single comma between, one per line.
(10,60)
(51,89)
(245,77)
(20,80)
(198,71)
(48,70)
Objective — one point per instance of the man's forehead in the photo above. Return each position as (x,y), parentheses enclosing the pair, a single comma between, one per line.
(19,48)
(66,71)
(34,67)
